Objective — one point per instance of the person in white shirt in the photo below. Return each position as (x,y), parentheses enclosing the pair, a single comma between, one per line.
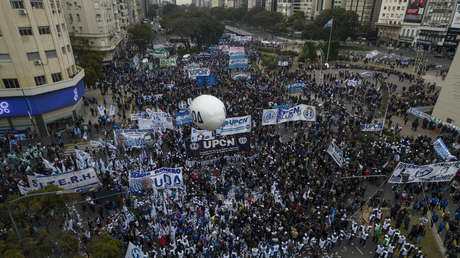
(363,239)
(391,250)
(378,251)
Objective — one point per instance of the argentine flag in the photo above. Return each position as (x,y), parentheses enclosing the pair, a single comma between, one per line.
(329,23)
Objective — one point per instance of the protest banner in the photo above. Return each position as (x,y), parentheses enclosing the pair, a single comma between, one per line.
(230,143)
(374,127)
(78,181)
(442,150)
(297,113)
(410,173)
(159,179)
(200,135)
(183,118)
(235,125)
(336,154)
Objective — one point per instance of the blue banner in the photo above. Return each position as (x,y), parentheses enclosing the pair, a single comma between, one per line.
(206,80)
(285,106)
(183,118)
(442,150)
(39,104)
(295,87)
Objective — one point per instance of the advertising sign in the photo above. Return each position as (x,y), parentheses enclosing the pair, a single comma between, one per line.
(414,12)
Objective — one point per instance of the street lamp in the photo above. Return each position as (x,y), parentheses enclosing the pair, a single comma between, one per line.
(319,52)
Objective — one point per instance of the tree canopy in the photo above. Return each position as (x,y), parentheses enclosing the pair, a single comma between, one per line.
(105,247)
(345,25)
(141,34)
(256,16)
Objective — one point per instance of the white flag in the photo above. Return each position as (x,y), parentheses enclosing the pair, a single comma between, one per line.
(101,110)
(49,165)
(134,251)
(112,110)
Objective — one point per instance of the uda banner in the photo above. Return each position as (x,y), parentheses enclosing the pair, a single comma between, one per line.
(235,125)
(336,154)
(78,181)
(298,113)
(230,143)
(442,150)
(410,173)
(159,179)
(200,135)
(375,127)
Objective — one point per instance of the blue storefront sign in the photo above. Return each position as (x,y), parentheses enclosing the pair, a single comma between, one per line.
(43,103)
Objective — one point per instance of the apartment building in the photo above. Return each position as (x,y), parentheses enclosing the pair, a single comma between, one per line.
(98,22)
(367,10)
(39,81)
(391,17)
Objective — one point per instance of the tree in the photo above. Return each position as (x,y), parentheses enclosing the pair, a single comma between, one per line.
(105,247)
(346,24)
(89,60)
(308,52)
(141,34)
(333,50)
(68,243)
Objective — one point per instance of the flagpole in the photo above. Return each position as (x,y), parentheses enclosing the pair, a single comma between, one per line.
(329,43)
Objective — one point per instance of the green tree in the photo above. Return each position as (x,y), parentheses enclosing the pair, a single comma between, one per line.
(346,24)
(308,52)
(68,243)
(105,247)
(333,50)
(141,34)
(89,60)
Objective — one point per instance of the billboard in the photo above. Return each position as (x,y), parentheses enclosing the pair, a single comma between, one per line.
(456,19)
(414,12)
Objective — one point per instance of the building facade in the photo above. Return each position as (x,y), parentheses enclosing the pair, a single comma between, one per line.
(97,22)
(367,10)
(285,7)
(39,81)
(390,20)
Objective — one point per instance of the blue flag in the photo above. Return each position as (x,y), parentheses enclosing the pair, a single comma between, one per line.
(329,23)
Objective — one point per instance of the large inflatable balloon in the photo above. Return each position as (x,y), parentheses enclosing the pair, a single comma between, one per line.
(207,112)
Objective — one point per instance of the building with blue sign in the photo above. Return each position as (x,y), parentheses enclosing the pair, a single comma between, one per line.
(39,81)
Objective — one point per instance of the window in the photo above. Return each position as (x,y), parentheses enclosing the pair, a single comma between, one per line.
(25,31)
(5,58)
(78,17)
(100,29)
(63,50)
(69,49)
(63,27)
(98,18)
(44,30)
(58,28)
(56,77)
(1,34)
(33,56)
(50,54)
(40,80)
(17,4)
(11,83)
(36,4)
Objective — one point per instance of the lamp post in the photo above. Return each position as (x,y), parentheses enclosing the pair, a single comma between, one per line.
(319,52)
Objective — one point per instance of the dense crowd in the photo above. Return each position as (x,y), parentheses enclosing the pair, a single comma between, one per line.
(284,198)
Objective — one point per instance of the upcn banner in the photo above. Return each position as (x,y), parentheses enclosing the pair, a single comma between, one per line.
(230,143)
(414,12)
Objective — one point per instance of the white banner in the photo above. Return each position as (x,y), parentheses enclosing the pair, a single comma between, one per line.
(101,110)
(156,120)
(200,135)
(79,181)
(375,127)
(195,72)
(134,251)
(234,125)
(130,138)
(298,113)
(159,179)
(442,150)
(112,110)
(336,154)
(410,173)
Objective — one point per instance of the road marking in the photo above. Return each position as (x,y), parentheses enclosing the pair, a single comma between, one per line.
(359,250)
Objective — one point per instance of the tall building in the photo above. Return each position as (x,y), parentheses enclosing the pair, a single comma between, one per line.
(285,7)
(305,6)
(435,25)
(95,21)
(367,10)
(447,107)
(39,82)
(390,19)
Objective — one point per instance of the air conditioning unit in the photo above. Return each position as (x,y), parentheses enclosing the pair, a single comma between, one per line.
(38,62)
(22,12)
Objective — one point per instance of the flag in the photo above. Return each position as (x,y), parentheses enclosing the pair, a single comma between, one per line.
(49,165)
(329,23)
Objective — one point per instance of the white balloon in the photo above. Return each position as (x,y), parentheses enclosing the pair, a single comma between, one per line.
(207,112)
